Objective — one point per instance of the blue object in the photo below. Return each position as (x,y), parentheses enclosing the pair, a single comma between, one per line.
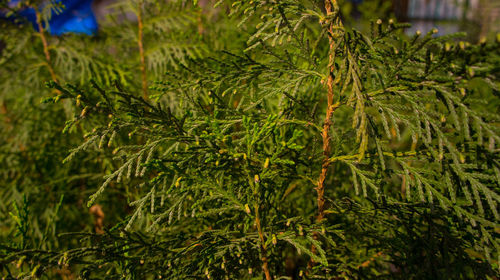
(77,17)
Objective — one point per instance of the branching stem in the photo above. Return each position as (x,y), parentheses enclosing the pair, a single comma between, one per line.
(330,6)
(325,133)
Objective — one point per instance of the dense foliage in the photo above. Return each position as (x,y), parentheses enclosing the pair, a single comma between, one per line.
(247,140)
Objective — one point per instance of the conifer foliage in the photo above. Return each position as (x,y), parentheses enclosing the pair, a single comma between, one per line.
(261,139)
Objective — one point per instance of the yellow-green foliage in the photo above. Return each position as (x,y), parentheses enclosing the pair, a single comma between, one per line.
(215,174)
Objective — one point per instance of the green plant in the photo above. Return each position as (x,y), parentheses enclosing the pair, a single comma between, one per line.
(306,150)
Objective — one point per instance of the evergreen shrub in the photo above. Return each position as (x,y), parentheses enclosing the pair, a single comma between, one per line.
(257,139)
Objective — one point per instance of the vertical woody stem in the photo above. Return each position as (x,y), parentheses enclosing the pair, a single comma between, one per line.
(329,6)
(45,44)
(263,249)
(141,50)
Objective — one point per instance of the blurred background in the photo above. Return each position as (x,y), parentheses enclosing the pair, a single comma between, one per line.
(479,18)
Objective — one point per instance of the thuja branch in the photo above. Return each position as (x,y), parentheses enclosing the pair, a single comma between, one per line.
(331,7)
(140,36)
(45,43)
(333,24)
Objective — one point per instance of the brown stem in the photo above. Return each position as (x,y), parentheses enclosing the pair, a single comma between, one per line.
(5,111)
(96,210)
(263,250)
(141,51)
(325,133)
(327,124)
(45,44)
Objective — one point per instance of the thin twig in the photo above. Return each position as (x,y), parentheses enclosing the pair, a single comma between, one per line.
(45,44)
(263,249)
